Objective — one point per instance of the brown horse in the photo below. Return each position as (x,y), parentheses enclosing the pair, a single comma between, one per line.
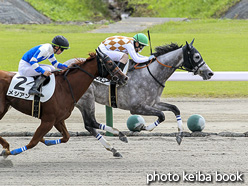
(70,86)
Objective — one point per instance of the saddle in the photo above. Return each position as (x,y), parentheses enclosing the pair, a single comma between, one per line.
(20,85)
(112,86)
(112,90)
(130,66)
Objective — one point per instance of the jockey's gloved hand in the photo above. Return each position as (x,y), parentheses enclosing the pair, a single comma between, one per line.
(62,66)
(151,57)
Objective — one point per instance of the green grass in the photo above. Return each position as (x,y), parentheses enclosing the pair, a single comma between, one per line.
(71,10)
(207,89)
(48,28)
(83,10)
(181,8)
(222,43)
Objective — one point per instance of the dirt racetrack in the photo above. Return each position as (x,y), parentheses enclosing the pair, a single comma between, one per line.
(83,161)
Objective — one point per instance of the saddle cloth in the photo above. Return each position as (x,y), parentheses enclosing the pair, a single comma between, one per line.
(20,85)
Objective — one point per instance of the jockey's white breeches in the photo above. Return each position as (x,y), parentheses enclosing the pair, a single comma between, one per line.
(25,69)
(114,55)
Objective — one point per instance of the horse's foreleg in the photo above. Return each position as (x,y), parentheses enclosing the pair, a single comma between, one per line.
(148,111)
(103,141)
(169,107)
(41,131)
(61,127)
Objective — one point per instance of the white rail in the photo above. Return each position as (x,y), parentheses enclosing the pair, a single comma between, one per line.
(218,76)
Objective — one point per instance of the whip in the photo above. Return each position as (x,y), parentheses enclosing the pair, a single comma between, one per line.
(148,32)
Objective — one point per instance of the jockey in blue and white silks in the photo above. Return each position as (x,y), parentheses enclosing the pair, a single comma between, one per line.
(29,64)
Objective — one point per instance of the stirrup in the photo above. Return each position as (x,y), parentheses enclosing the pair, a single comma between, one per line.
(35,92)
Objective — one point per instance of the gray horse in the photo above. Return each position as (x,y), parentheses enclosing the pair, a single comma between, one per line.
(141,95)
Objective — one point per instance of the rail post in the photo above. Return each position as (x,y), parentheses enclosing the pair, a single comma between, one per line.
(109,118)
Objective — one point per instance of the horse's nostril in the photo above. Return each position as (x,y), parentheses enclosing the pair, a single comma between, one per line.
(210,73)
(126,78)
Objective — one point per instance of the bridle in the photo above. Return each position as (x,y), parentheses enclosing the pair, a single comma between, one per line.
(189,63)
(104,62)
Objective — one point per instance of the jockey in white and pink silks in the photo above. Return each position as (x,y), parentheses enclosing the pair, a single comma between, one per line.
(29,64)
(118,48)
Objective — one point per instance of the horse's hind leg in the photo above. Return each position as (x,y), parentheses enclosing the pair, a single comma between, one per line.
(87,109)
(3,110)
(4,143)
(61,127)
(41,131)
(104,142)
(112,130)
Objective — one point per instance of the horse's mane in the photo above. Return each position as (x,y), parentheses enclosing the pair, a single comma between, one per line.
(160,50)
(82,61)
(78,61)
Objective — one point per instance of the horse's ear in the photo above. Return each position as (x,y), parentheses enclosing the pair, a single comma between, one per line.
(99,53)
(191,44)
(188,46)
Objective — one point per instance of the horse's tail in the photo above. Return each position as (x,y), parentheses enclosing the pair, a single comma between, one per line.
(5,79)
(6,76)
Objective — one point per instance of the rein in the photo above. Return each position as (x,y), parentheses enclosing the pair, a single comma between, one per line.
(75,67)
(168,66)
(136,66)
(189,63)
(155,78)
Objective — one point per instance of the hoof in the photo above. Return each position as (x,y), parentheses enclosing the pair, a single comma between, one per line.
(140,127)
(123,137)
(116,153)
(4,154)
(179,138)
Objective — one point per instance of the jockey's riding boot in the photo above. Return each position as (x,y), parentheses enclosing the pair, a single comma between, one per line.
(37,83)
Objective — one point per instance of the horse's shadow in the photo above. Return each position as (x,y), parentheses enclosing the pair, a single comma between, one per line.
(6,163)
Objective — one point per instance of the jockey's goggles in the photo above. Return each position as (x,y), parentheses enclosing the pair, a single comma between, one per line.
(141,46)
(62,47)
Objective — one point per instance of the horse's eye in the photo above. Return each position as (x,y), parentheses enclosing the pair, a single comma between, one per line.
(110,63)
(196,57)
